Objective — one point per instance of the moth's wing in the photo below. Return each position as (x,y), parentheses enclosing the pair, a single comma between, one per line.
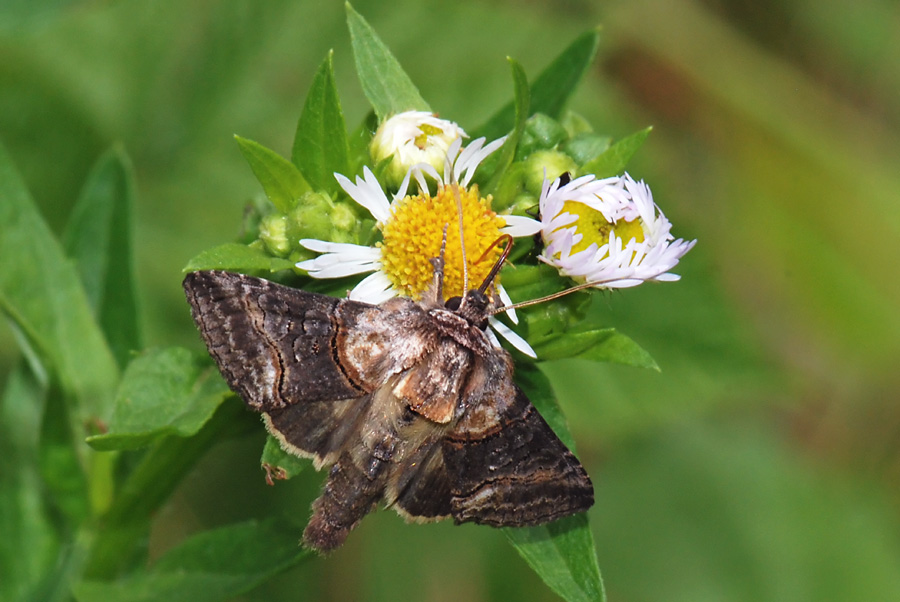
(427,492)
(318,429)
(275,346)
(507,468)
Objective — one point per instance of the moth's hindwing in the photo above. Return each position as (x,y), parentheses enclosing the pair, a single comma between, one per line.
(509,469)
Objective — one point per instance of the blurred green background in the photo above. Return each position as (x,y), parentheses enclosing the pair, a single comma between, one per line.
(761,464)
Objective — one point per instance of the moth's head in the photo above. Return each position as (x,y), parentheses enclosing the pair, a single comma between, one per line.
(474,310)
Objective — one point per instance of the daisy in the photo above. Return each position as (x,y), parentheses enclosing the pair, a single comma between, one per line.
(412,228)
(411,138)
(607,231)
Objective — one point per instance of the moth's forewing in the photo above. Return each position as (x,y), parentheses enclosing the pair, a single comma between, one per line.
(273,344)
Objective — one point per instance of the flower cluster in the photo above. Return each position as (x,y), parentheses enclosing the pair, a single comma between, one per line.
(605,233)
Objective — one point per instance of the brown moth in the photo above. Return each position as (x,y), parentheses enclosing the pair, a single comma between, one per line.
(406,403)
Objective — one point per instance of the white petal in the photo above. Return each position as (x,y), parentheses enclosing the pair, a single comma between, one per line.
(493,338)
(517,225)
(401,192)
(419,172)
(374,288)
(452,154)
(345,249)
(368,193)
(471,162)
(339,259)
(667,277)
(338,270)
(515,340)
(507,300)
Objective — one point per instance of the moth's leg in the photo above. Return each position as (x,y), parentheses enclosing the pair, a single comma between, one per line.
(349,494)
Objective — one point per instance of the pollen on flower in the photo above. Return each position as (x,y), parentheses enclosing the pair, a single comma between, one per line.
(414,232)
(595,227)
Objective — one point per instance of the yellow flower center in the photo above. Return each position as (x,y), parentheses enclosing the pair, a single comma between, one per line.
(594,227)
(414,232)
(427,130)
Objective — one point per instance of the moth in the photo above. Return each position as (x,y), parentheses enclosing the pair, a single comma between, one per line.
(406,403)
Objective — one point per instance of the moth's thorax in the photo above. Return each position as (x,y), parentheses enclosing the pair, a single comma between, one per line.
(452,325)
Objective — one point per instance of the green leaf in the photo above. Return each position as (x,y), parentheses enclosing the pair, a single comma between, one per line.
(287,465)
(281,180)
(117,547)
(41,292)
(613,160)
(238,258)
(29,545)
(214,565)
(538,390)
(523,102)
(383,80)
(359,141)
(99,238)
(562,553)
(585,146)
(320,144)
(163,392)
(552,88)
(526,282)
(599,345)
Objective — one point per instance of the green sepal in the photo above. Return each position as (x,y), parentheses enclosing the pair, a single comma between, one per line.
(542,132)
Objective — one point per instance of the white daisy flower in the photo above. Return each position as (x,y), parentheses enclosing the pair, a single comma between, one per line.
(412,228)
(411,138)
(607,231)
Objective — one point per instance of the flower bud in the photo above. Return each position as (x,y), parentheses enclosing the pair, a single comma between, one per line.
(311,218)
(273,233)
(410,138)
(546,162)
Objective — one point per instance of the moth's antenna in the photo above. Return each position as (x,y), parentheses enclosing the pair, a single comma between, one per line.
(462,240)
(549,297)
(498,264)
